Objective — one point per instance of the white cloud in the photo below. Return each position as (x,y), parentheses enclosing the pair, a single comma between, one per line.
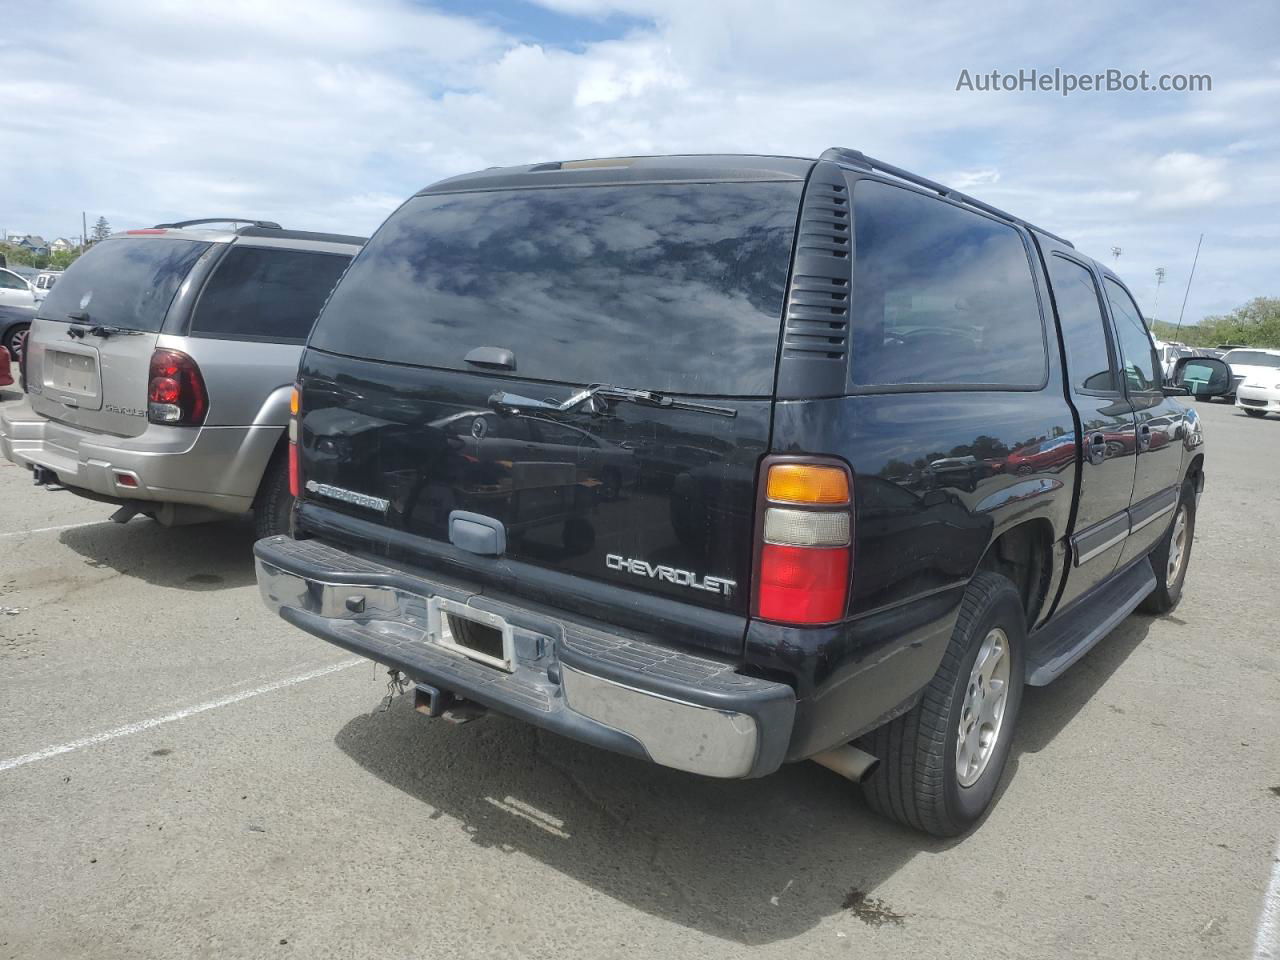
(1179,181)
(327,113)
(968,179)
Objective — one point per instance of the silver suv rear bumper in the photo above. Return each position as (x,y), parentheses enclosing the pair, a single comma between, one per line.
(203,466)
(624,693)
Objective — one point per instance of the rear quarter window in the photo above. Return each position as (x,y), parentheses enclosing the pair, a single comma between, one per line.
(262,293)
(942,297)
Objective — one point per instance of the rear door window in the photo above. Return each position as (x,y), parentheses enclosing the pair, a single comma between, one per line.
(126,283)
(264,293)
(666,287)
(1084,329)
(1135,343)
(941,296)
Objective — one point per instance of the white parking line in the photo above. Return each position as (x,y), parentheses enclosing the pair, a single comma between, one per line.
(132,728)
(65,526)
(1266,945)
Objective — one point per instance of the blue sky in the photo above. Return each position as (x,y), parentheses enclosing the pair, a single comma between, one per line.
(327,113)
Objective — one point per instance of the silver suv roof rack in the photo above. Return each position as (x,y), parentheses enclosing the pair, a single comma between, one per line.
(856,158)
(248,221)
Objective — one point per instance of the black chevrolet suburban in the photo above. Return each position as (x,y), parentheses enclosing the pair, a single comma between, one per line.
(724,462)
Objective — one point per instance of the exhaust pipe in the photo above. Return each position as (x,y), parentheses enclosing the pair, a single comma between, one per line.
(848,761)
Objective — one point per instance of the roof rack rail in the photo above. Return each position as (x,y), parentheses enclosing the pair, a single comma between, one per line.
(179,224)
(856,158)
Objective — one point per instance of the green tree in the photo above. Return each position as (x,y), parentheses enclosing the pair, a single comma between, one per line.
(1256,324)
(63,259)
(101,229)
(19,255)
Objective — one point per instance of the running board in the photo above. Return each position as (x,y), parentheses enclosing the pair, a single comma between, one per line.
(1094,615)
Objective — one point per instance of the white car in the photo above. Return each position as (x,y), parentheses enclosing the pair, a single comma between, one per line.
(15,291)
(1170,354)
(44,283)
(1259,393)
(1256,366)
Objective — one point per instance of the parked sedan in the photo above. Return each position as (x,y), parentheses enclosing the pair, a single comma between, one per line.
(15,321)
(1260,394)
(17,307)
(1252,365)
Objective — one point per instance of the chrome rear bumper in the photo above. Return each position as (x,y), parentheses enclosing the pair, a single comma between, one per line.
(625,693)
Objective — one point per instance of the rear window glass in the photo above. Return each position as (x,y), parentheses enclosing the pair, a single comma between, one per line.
(260,293)
(123,283)
(941,295)
(666,287)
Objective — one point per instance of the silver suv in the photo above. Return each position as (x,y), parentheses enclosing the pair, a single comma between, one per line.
(158,370)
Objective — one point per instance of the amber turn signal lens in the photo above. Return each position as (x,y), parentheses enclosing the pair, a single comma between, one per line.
(293,401)
(807,483)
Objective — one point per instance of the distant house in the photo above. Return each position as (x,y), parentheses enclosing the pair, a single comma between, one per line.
(30,242)
(61,245)
(36,244)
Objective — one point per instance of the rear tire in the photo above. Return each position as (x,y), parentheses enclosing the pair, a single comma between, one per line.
(928,778)
(273,507)
(15,341)
(1172,555)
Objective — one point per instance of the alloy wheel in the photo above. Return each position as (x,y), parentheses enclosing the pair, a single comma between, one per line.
(982,716)
(1177,546)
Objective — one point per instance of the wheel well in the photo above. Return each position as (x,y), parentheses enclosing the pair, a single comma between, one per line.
(1196,471)
(279,452)
(1024,554)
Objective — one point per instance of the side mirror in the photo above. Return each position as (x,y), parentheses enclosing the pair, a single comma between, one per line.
(1200,377)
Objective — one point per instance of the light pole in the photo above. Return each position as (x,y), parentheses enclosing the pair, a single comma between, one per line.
(1159,280)
(1115,252)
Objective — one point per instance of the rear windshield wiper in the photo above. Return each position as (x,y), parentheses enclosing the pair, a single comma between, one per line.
(598,396)
(97,330)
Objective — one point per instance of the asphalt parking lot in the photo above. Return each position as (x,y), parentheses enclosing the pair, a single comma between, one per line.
(181,774)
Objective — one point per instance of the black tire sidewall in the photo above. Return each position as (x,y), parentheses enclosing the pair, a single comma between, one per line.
(967,804)
(11,339)
(274,509)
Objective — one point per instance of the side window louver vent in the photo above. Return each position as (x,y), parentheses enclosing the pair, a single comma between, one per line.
(817,322)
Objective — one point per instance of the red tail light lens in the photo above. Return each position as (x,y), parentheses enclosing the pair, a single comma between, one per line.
(806,549)
(295,460)
(175,390)
(802,584)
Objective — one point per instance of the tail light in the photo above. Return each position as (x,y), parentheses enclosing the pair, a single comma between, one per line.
(806,548)
(295,465)
(175,390)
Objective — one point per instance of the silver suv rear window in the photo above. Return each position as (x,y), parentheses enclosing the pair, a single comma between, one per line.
(665,287)
(123,283)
